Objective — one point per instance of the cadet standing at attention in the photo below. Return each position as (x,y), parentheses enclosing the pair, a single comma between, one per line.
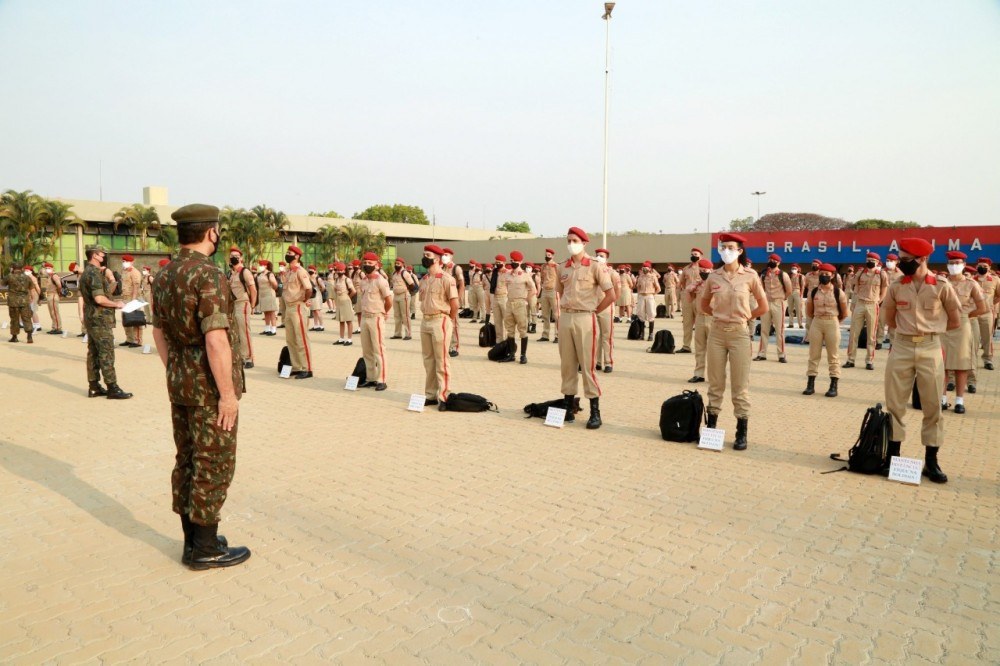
(439,306)
(267,297)
(455,271)
(520,288)
(131,290)
(702,322)
(550,303)
(778,288)
(244,290)
(647,286)
(100,324)
(498,295)
(670,281)
(195,338)
(826,306)
(19,303)
(892,273)
(921,308)
(53,285)
(77,271)
(296,293)
(689,275)
(402,281)
(375,298)
(585,290)
(810,281)
(988,283)
(795,298)
(605,318)
(726,299)
(959,350)
(476,300)
(869,287)
(342,289)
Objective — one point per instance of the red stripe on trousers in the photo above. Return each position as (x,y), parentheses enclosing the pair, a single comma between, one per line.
(305,343)
(246,328)
(444,358)
(611,341)
(381,349)
(593,350)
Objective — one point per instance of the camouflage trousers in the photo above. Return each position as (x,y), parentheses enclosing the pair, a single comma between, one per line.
(20,315)
(101,354)
(204,465)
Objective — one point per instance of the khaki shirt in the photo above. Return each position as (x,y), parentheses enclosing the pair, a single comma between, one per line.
(924,310)
(436,293)
(520,286)
(989,283)
(647,284)
(131,284)
(689,274)
(852,278)
(582,286)
(374,290)
(502,282)
(869,285)
(616,280)
(549,275)
(296,286)
(239,293)
(825,303)
(342,287)
(967,290)
(893,275)
(398,281)
(455,271)
(798,282)
(731,294)
(696,295)
(52,285)
(670,281)
(777,286)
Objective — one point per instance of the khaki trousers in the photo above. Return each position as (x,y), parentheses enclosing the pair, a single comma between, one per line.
(532,309)
(435,331)
(702,326)
(986,335)
(606,341)
(646,307)
(922,361)
(775,316)
(52,300)
(516,318)
(578,348)
(296,317)
(373,346)
(825,333)
(865,313)
(241,322)
(549,311)
(670,300)
(687,316)
(499,314)
(729,344)
(474,298)
(401,314)
(795,309)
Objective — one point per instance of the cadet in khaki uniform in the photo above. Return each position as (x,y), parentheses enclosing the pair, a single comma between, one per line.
(532,272)
(702,322)
(585,289)
(131,288)
(727,297)
(826,306)
(921,308)
(77,272)
(605,320)
(647,286)
(375,298)
(342,288)
(401,282)
(549,276)
(356,276)
(892,273)
(439,306)
(193,330)
(959,350)
(244,290)
(795,302)
(809,282)
(296,294)
(520,289)
(267,286)
(869,287)
(53,285)
(988,283)
(778,287)
(498,295)
(670,281)
(455,271)
(689,274)
(475,290)
(849,286)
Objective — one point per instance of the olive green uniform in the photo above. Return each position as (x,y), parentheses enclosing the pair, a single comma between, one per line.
(19,302)
(100,323)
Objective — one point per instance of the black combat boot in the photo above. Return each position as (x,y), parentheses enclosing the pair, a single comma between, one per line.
(832,391)
(711,420)
(207,552)
(524,350)
(570,416)
(96,390)
(13,338)
(810,386)
(487,320)
(650,338)
(931,468)
(187,526)
(115,392)
(741,434)
(594,422)
(891,450)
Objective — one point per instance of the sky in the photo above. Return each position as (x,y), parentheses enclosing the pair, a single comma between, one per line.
(483,112)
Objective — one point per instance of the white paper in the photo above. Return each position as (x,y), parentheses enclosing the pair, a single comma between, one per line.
(84,339)
(712,439)
(132,306)
(146,349)
(3,326)
(286,372)
(905,470)
(417,402)
(555,417)
(352,383)
(65,334)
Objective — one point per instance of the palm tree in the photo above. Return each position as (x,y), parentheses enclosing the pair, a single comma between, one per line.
(58,218)
(140,219)
(356,238)
(328,241)
(22,227)
(168,239)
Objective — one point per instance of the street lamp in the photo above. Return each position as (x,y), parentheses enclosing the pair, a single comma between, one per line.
(758,195)
(608,6)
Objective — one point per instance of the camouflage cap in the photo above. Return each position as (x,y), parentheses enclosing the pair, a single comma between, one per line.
(96,247)
(193,213)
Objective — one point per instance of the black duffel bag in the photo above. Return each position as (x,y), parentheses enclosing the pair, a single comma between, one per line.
(133,319)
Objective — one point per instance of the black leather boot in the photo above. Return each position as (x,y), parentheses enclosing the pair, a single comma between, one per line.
(891,450)
(832,391)
(115,392)
(711,420)
(650,332)
(810,386)
(524,350)
(186,525)
(570,416)
(594,422)
(487,320)
(207,552)
(96,390)
(741,435)
(931,468)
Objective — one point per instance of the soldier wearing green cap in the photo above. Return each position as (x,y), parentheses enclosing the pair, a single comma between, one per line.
(19,302)
(96,284)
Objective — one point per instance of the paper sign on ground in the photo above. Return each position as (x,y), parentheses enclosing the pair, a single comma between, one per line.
(132,306)
(905,470)
(417,402)
(286,372)
(712,439)
(84,339)
(65,334)
(4,325)
(147,349)
(555,417)
(352,383)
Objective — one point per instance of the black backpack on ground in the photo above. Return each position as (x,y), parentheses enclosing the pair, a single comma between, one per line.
(465,313)
(663,343)
(635,329)
(680,417)
(360,371)
(661,311)
(284,358)
(503,350)
(468,402)
(868,455)
(540,410)
(487,335)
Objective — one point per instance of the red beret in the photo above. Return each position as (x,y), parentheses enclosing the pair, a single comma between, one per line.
(516,256)
(164,262)
(236,250)
(579,233)
(918,247)
(46,265)
(330,267)
(434,249)
(550,250)
(294,249)
(892,257)
(970,269)
(500,258)
(828,267)
(774,257)
(340,266)
(355,262)
(730,238)
(704,263)
(311,267)
(695,249)
(817,262)
(281,263)
(370,256)
(873,255)
(647,264)
(145,268)
(603,251)
(72,266)
(448,250)
(980,260)
(955,254)
(670,266)
(399,260)
(265,262)
(128,257)
(796,266)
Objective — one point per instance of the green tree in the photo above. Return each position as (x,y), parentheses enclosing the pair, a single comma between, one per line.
(252,230)
(875,223)
(139,219)
(328,241)
(394,213)
(329,213)
(741,224)
(357,238)
(519,227)
(58,218)
(167,237)
(22,227)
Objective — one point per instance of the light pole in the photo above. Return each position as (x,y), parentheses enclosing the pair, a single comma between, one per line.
(608,6)
(758,195)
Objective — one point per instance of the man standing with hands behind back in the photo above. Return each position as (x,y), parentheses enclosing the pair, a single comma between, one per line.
(296,293)
(195,338)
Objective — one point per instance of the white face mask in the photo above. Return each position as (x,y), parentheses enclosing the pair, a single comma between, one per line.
(145,272)
(528,270)
(126,264)
(262,269)
(281,269)
(795,270)
(445,259)
(729,256)
(890,265)
(602,259)
(956,269)
(574,248)
(27,272)
(49,271)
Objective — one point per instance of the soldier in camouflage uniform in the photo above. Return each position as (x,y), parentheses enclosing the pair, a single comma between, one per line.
(99,322)
(193,307)
(19,303)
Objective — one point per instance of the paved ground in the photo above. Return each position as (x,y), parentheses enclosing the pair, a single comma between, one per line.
(389,536)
